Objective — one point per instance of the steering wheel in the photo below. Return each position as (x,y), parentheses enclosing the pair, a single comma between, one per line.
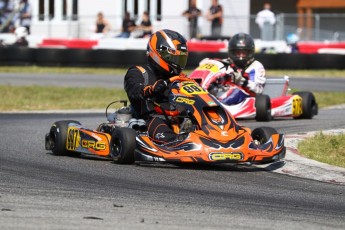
(172,84)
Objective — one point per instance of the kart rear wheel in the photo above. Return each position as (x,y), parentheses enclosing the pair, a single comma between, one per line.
(58,137)
(263,108)
(122,145)
(309,105)
(263,134)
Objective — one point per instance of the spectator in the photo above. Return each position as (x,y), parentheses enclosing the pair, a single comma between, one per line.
(21,33)
(146,25)
(102,25)
(7,16)
(266,20)
(192,13)
(215,15)
(25,14)
(291,40)
(128,25)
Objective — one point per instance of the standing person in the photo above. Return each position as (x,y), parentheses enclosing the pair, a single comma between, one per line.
(192,13)
(25,15)
(215,15)
(21,33)
(7,15)
(166,57)
(102,25)
(266,20)
(128,25)
(145,25)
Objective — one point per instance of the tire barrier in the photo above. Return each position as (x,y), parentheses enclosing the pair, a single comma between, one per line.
(124,58)
(302,61)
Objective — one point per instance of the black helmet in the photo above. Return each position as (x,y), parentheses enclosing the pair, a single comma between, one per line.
(167,52)
(241,49)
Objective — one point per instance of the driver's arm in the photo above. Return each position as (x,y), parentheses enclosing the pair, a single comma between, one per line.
(134,84)
(256,77)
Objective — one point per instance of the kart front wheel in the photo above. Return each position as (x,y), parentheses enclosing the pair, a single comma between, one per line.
(122,145)
(309,105)
(263,134)
(263,108)
(57,137)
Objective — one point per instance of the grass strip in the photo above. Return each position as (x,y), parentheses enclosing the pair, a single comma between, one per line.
(17,98)
(328,149)
(325,99)
(62,70)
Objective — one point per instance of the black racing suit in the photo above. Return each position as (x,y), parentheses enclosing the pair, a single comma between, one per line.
(136,79)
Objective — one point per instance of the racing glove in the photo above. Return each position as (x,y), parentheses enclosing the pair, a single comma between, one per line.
(239,79)
(260,79)
(156,89)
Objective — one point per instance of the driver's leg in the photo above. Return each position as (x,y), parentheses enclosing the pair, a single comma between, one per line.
(236,96)
(160,131)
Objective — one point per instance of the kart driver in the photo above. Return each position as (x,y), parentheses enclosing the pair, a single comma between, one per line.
(166,57)
(242,66)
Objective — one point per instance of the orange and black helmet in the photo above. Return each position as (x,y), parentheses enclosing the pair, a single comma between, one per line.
(167,52)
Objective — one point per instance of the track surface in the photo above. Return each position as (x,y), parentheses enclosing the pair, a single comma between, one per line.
(42,191)
(108,81)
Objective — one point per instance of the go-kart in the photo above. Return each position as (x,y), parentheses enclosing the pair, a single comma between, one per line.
(275,102)
(206,132)
(69,137)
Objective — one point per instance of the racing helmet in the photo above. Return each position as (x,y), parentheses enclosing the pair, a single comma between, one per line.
(167,52)
(241,49)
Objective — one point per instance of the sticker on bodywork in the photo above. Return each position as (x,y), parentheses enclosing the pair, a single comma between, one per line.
(225,156)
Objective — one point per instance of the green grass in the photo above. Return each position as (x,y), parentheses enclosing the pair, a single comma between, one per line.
(325,99)
(69,70)
(328,149)
(43,98)
(16,98)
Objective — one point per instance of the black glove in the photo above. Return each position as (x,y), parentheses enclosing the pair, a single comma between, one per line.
(159,87)
(156,89)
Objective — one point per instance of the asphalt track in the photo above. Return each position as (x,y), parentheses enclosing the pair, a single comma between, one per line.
(42,191)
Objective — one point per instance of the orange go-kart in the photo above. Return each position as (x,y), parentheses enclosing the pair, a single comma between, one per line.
(206,132)
(113,139)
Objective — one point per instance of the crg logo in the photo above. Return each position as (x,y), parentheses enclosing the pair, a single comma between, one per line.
(97,145)
(226,156)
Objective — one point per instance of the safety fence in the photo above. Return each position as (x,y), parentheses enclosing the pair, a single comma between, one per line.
(323,27)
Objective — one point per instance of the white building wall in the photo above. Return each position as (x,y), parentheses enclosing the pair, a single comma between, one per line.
(236,17)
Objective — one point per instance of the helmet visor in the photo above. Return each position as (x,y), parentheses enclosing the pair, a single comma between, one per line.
(172,56)
(241,54)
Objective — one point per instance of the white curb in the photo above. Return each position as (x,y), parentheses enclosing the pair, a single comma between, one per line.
(300,166)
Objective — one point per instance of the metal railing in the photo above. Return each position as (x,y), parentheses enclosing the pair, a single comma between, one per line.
(324,26)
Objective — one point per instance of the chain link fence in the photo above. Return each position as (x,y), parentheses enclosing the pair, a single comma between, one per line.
(323,26)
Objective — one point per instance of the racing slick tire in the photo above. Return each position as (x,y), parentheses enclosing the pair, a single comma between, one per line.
(309,105)
(263,108)
(122,145)
(58,137)
(263,134)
